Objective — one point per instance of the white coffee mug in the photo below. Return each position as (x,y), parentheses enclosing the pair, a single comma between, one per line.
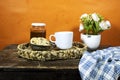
(63,40)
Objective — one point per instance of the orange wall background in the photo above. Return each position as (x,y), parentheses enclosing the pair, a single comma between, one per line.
(16,17)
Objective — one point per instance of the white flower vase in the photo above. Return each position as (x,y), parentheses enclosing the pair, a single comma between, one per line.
(92,41)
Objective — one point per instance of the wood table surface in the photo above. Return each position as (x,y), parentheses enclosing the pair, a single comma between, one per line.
(10,59)
(12,64)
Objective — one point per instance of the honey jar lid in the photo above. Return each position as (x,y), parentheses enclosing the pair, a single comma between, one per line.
(38,24)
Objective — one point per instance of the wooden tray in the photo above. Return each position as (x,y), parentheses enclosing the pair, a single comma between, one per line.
(25,51)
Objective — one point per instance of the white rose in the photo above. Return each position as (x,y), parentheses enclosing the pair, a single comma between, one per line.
(81,27)
(104,25)
(108,23)
(95,17)
(84,15)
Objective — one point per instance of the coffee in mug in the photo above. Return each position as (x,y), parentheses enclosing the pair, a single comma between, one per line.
(63,39)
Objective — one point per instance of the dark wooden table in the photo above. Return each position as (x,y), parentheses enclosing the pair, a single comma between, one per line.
(13,67)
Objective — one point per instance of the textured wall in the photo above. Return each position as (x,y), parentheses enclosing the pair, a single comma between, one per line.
(16,17)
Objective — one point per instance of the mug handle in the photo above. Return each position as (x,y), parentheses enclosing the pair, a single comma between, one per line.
(50,38)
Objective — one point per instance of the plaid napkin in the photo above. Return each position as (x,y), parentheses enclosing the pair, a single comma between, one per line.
(101,64)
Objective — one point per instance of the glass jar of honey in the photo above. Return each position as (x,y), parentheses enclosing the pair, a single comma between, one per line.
(38,30)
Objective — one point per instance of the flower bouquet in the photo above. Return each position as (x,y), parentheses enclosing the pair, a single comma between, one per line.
(93,24)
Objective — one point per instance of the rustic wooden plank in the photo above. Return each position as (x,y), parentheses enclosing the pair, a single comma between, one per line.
(10,59)
(13,67)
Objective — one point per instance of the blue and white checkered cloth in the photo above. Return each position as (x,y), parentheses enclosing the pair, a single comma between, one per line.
(101,64)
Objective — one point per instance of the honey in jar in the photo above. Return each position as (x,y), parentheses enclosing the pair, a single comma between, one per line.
(38,30)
